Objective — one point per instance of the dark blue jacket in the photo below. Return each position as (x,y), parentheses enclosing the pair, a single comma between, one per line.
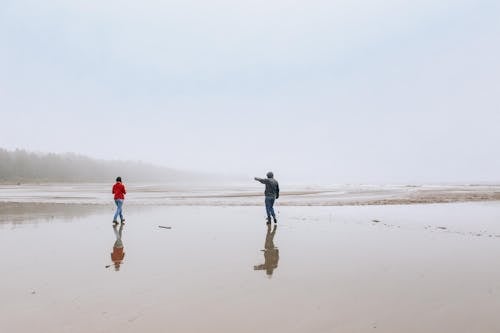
(272,187)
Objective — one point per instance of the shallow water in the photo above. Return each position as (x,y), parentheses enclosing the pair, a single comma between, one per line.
(246,194)
(420,268)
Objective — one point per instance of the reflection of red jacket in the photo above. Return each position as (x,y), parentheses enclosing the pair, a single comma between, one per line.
(119,191)
(117,254)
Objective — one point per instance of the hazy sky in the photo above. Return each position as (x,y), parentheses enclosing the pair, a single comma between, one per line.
(334,91)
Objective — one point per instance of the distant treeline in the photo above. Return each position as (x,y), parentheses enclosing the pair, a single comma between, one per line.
(23,166)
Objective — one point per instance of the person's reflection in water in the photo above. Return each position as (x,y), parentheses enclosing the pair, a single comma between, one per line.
(271,254)
(117,255)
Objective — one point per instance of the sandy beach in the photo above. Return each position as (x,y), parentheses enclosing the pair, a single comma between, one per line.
(203,268)
(247,195)
(370,127)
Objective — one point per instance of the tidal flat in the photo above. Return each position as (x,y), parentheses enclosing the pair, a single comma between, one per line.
(220,268)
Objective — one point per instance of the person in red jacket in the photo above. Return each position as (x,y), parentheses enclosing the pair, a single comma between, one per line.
(119,192)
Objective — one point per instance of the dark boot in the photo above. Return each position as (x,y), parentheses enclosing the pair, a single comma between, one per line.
(268,220)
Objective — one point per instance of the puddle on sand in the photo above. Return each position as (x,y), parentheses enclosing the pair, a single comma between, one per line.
(331,269)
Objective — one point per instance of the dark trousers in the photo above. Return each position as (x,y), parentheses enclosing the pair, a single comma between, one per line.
(269,207)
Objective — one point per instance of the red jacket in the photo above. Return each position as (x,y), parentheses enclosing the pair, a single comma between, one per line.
(119,191)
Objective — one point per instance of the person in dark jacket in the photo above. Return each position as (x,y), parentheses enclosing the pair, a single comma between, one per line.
(271,193)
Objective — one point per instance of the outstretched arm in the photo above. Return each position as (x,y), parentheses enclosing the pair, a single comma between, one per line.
(259,179)
(263,181)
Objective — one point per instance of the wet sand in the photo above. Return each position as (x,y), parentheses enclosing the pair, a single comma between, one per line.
(403,268)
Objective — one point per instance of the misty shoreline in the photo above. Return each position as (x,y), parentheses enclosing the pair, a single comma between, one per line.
(98,195)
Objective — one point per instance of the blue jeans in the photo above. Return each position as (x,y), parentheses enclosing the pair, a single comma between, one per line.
(269,207)
(119,204)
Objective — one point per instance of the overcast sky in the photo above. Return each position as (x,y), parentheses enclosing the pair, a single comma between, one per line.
(328,91)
